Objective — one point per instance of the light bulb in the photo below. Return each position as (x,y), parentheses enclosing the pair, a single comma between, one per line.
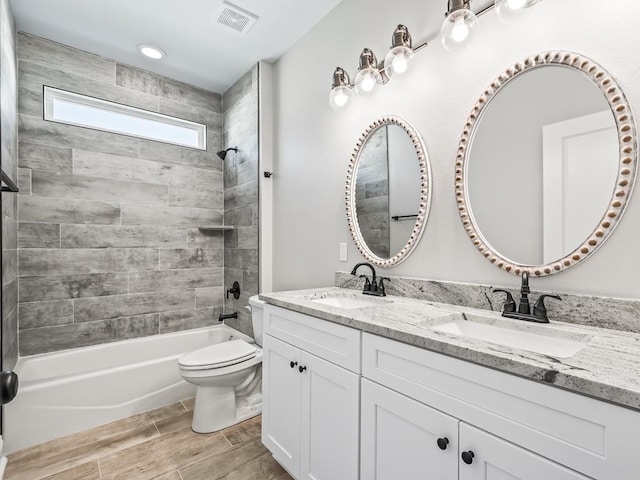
(458,29)
(509,9)
(397,61)
(339,97)
(367,79)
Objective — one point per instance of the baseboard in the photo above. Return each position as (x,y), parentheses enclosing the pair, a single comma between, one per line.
(3,459)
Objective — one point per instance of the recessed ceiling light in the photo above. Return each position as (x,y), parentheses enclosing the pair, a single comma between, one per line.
(151,51)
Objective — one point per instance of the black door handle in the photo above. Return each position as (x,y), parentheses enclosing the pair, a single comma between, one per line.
(467,457)
(293,364)
(8,386)
(301,368)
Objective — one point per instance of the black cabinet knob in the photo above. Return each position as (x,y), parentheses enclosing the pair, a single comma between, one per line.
(293,364)
(301,368)
(443,442)
(467,457)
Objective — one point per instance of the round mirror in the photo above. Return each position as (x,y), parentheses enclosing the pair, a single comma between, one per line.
(546,164)
(388,191)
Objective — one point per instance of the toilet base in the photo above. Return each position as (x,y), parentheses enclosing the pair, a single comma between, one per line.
(216,409)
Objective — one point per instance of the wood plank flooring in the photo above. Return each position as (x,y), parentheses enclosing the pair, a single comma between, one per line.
(156,445)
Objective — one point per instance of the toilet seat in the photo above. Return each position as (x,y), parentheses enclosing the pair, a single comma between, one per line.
(218,356)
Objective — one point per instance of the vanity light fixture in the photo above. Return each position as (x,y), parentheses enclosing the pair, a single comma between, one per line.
(152,52)
(456,32)
(459,25)
(371,72)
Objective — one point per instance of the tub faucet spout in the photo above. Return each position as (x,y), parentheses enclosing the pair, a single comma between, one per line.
(227,316)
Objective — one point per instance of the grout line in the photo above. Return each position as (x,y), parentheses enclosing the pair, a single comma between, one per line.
(99,469)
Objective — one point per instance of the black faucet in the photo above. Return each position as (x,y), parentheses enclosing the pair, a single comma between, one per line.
(523,312)
(371,287)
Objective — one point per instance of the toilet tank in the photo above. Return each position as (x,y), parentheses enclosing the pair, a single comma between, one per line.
(257,309)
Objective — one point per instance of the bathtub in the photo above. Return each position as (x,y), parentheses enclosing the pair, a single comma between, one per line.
(74,390)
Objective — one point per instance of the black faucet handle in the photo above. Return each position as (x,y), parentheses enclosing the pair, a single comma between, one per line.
(509,303)
(540,310)
(381,285)
(524,288)
(367,282)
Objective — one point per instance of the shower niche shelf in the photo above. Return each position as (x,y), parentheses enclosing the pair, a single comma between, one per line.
(215,228)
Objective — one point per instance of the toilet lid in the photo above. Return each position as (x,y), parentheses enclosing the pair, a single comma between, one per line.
(219,355)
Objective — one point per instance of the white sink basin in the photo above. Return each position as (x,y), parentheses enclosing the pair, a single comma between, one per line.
(348,301)
(534,338)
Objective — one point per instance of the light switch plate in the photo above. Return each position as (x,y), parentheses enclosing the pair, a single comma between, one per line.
(343,252)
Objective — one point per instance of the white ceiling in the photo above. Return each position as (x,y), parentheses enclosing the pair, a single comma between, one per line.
(199,50)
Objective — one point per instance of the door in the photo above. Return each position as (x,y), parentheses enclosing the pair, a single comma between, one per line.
(330,421)
(405,439)
(281,402)
(577,183)
(492,458)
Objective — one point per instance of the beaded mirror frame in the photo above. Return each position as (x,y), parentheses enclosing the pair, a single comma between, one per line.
(425,192)
(625,180)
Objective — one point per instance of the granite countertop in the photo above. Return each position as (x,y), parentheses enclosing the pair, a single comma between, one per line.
(607,367)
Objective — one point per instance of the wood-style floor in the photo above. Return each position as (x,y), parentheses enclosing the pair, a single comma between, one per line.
(156,445)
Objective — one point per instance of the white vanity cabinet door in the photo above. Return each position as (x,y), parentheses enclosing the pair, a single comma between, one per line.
(400,438)
(281,396)
(329,421)
(310,413)
(497,459)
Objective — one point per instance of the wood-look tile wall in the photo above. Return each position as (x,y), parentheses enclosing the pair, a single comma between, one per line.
(241,194)
(108,239)
(9,157)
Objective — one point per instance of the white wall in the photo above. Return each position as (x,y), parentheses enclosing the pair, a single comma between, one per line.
(313,143)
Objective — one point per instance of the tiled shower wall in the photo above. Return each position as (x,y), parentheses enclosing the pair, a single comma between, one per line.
(241,195)
(9,154)
(108,239)
(372,194)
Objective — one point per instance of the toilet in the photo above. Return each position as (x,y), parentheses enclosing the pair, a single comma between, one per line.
(228,378)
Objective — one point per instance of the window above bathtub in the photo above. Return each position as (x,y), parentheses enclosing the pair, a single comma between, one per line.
(89,112)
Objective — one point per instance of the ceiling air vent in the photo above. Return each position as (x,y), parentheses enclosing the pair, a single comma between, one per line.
(236,18)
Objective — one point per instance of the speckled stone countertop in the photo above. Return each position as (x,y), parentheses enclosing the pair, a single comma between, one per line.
(607,367)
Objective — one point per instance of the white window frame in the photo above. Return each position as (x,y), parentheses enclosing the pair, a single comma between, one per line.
(52,94)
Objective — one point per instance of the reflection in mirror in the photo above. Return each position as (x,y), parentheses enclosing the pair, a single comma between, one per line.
(545,166)
(388,202)
(387,190)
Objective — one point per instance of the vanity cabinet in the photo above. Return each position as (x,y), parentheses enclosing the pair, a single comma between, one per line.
(403,438)
(311,395)
(501,418)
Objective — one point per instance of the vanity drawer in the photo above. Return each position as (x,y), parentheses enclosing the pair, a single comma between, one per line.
(587,435)
(333,342)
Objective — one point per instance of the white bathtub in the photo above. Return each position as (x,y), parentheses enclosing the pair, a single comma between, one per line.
(73,390)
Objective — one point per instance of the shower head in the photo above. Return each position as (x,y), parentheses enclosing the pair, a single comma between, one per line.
(223,153)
